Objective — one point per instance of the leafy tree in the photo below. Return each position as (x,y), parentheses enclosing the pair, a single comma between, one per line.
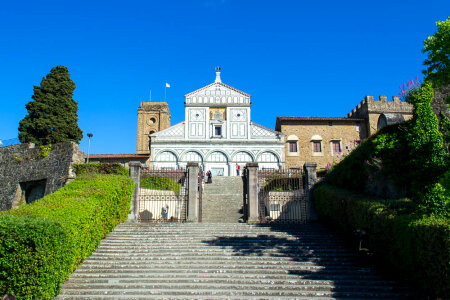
(427,158)
(52,114)
(438,48)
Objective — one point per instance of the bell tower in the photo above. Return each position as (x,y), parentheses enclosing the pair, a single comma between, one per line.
(152,117)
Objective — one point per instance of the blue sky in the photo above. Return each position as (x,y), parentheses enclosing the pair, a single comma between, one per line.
(296,58)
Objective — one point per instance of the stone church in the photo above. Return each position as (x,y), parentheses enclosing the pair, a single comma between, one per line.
(217,133)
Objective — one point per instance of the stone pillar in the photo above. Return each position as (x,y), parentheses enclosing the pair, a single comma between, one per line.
(135,174)
(253,189)
(193,205)
(310,180)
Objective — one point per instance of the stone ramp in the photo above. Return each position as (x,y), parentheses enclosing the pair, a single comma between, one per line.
(222,200)
(224,261)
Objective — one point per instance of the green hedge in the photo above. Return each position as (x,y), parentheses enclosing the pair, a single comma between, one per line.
(100,168)
(283,184)
(41,244)
(415,246)
(154,182)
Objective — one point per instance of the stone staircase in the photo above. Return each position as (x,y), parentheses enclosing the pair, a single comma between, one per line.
(222,200)
(225,261)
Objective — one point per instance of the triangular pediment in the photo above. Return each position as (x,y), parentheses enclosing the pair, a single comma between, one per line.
(210,89)
(218,93)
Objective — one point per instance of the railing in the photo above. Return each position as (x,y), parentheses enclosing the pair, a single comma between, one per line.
(162,195)
(282,196)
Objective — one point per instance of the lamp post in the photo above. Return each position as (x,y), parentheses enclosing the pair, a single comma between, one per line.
(89,145)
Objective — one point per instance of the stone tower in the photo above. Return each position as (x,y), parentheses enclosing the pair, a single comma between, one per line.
(152,117)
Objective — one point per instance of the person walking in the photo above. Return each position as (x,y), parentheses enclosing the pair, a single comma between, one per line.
(238,170)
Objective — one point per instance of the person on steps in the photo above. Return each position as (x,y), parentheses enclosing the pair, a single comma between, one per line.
(209,174)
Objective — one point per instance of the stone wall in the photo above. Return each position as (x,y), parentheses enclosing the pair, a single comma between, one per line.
(25,175)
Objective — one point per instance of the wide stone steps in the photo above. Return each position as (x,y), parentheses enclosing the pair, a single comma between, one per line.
(225,261)
(222,200)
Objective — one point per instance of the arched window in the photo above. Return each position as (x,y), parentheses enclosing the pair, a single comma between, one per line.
(268,157)
(217,157)
(243,157)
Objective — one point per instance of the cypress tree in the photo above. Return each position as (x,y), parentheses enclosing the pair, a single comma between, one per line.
(52,114)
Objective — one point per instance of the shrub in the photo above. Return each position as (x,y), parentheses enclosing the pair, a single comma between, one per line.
(416,246)
(100,168)
(42,243)
(154,182)
(283,184)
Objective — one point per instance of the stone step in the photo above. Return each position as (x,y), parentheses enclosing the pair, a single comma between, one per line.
(236,286)
(242,279)
(367,278)
(226,291)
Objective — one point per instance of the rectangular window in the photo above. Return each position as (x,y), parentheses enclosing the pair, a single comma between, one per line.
(337,147)
(218,130)
(317,146)
(292,146)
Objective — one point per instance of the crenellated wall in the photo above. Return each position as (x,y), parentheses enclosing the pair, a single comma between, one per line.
(370,110)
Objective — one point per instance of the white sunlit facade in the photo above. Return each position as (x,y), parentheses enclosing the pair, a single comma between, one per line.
(218,134)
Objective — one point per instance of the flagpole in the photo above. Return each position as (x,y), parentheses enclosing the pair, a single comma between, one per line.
(150,94)
(165,93)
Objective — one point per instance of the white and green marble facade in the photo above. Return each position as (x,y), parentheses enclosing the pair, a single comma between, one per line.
(217,143)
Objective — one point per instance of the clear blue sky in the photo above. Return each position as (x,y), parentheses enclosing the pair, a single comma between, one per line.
(296,58)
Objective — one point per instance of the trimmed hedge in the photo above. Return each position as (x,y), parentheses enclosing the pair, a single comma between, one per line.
(415,246)
(153,182)
(41,244)
(100,168)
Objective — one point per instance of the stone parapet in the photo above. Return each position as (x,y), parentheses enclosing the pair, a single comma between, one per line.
(382,105)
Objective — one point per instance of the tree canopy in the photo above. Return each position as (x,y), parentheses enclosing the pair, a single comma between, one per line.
(52,114)
(437,47)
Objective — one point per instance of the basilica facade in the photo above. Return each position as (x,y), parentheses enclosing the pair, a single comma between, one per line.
(217,133)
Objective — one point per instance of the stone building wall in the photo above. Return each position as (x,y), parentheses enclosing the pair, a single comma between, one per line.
(345,131)
(26,176)
(152,117)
